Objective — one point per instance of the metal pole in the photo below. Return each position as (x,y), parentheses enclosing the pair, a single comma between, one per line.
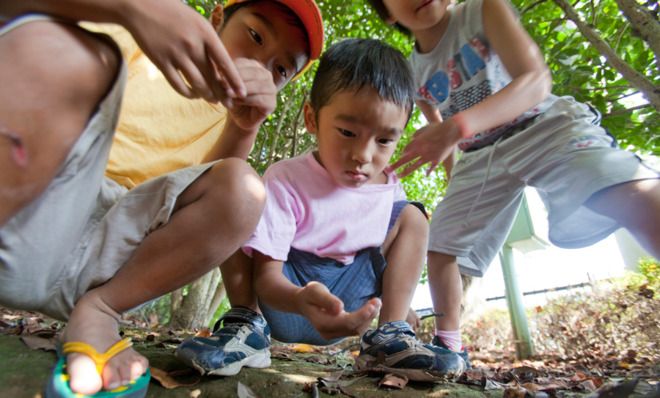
(523,340)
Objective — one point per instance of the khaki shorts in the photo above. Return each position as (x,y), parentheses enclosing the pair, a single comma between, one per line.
(84,227)
(564,154)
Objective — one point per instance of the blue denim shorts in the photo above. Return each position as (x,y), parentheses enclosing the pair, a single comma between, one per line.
(353,283)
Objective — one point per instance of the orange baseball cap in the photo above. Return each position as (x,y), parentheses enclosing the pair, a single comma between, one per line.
(310,15)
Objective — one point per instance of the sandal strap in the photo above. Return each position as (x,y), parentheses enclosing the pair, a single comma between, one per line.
(100,359)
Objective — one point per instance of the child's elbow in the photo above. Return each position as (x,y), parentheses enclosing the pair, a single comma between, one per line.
(544,83)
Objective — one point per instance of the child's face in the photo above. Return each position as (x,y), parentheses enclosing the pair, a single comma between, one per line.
(263,32)
(417,15)
(357,133)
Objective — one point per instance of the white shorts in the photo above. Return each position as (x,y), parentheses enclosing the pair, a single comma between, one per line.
(564,154)
(84,227)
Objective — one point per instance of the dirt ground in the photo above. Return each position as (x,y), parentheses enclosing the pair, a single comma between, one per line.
(27,352)
(24,372)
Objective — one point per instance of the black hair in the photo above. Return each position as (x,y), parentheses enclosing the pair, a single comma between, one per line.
(290,16)
(382,12)
(353,64)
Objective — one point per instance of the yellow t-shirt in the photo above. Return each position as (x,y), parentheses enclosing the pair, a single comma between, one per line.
(159,130)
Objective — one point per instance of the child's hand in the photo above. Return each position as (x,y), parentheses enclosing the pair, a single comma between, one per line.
(185,47)
(430,144)
(326,312)
(249,112)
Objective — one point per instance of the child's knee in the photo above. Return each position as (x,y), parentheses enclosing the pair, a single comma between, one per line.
(413,218)
(55,63)
(235,183)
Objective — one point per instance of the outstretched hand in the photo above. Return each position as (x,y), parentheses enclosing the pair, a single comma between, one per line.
(186,48)
(326,312)
(432,144)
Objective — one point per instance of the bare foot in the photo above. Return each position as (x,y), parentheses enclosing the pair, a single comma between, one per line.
(93,322)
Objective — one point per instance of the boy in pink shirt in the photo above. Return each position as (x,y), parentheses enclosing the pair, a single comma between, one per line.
(337,235)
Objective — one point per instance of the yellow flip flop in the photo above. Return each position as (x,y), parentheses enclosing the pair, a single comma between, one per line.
(58,385)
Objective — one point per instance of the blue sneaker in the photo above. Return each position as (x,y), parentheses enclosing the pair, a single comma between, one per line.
(394,346)
(463,354)
(241,337)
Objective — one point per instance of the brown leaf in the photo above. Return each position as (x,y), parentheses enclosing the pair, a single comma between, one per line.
(39,343)
(588,385)
(524,373)
(392,380)
(203,332)
(10,328)
(514,392)
(168,380)
(302,348)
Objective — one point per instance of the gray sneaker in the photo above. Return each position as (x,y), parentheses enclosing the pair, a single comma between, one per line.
(394,346)
(241,337)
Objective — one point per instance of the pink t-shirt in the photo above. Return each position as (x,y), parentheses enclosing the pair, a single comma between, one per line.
(307,210)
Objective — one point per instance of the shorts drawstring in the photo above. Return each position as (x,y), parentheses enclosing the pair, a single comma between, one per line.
(483,184)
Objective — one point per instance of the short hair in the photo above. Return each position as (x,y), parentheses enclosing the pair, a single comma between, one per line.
(382,12)
(353,64)
(290,16)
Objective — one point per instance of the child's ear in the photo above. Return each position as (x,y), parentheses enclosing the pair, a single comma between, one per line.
(218,17)
(310,118)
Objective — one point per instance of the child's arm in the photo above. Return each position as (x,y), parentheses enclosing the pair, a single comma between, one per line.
(180,42)
(531,80)
(244,116)
(531,83)
(324,310)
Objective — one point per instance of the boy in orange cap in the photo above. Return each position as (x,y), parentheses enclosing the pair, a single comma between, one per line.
(74,249)
(159,131)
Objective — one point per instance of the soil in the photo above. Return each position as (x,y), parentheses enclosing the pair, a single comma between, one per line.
(28,341)
(24,372)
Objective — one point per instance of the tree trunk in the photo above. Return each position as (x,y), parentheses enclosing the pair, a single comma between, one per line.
(193,312)
(218,296)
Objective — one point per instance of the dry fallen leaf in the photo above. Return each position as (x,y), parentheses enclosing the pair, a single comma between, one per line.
(203,332)
(302,348)
(39,343)
(169,380)
(514,392)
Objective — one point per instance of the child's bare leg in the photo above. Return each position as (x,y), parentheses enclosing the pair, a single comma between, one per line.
(56,77)
(237,276)
(404,249)
(213,217)
(636,206)
(446,290)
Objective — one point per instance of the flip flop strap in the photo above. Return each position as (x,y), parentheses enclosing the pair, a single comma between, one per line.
(100,359)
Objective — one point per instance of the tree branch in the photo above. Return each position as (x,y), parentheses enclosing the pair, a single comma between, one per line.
(648,89)
(626,110)
(643,22)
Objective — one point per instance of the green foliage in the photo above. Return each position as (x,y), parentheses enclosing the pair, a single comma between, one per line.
(578,70)
(203,7)
(650,269)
